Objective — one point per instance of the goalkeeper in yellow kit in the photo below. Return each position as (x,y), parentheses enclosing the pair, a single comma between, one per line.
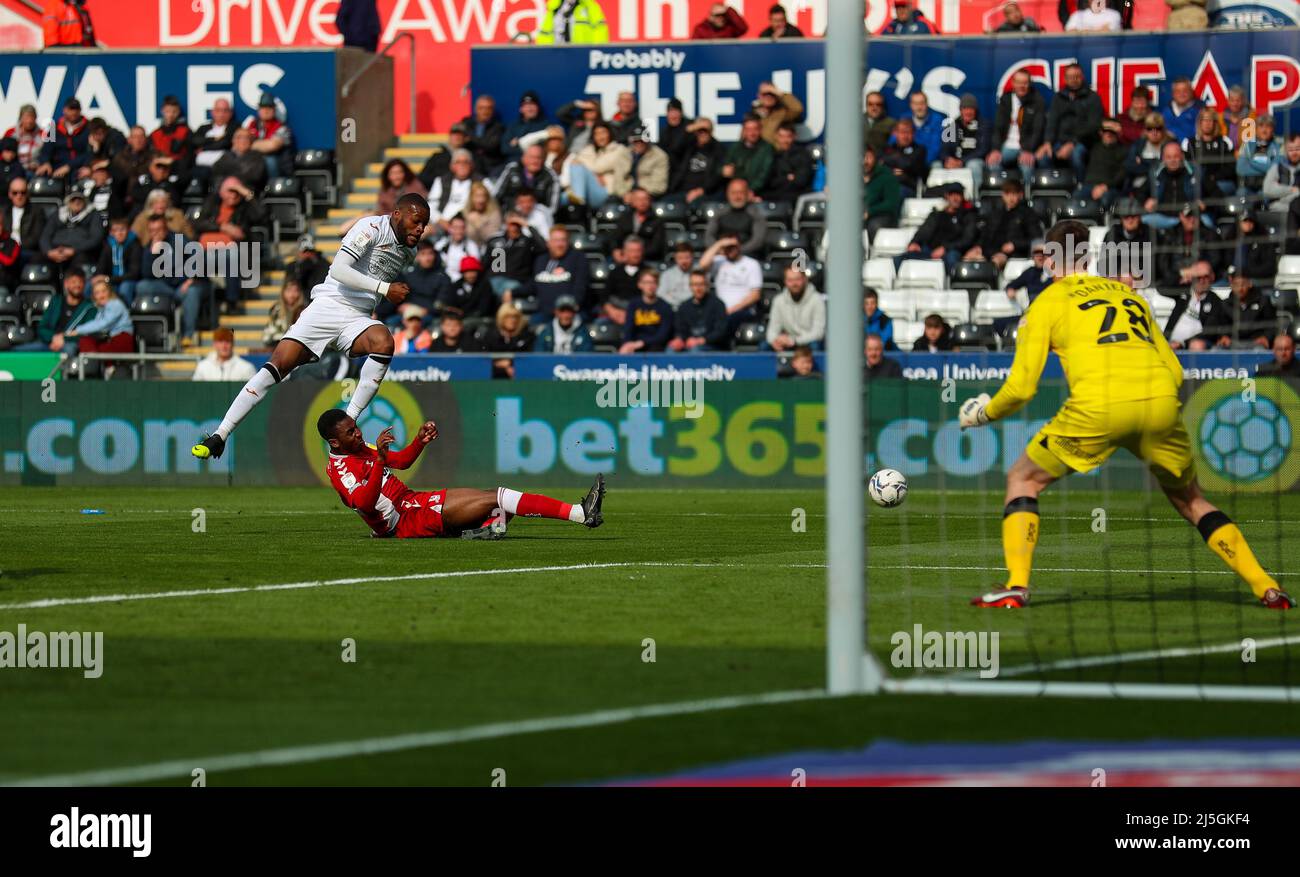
(1124,382)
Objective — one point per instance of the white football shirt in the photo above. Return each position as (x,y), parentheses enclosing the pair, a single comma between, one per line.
(376,254)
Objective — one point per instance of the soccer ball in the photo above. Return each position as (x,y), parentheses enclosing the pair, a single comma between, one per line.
(887,488)
(1245,441)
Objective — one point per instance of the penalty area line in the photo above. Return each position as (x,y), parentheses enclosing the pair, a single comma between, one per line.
(1135,657)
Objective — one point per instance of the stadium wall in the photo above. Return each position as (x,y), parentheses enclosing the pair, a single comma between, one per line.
(755,434)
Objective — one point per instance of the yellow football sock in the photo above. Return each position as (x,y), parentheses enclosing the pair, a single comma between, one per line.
(1225,539)
(1019,536)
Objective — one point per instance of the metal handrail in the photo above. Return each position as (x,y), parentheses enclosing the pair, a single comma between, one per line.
(347,86)
(136,359)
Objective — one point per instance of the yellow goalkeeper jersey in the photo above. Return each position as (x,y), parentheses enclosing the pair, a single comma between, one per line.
(1111,348)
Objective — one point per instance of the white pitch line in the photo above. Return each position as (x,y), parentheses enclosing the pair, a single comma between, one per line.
(1150,655)
(145,773)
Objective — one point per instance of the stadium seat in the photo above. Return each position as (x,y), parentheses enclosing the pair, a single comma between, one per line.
(46,191)
(35,289)
(1007,337)
(891,241)
(1271,224)
(1286,301)
(970,336)
(922,274)
(897,303)
(878,273)
(597,275)
(818,153)
(196,192)
(916,210)
(1288,273)
(606,335)
(673,215)
(995,177)
(749,336)
(194,212)
(1052,181)
(10,304)
(283,200)
(993,304)
(906,332)
(1161,306)
(780,242)
(156,321)
(941,176)
(590,244)
(1046,205)
(951,304)
(779,214)
(478,328)
(1085,211)
(810,212)
(1014,268)
(973,275)
(316,170)
(694,238)
(18,334)
(1097,236)
(605,219)
(701,211)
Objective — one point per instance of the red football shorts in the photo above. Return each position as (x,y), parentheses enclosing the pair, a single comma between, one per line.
(420,515)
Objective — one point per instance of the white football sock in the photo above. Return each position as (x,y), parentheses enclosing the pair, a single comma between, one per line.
(372,375)
(508,500)
(253,392)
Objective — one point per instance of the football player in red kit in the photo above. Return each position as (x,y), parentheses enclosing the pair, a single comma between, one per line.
(361,475)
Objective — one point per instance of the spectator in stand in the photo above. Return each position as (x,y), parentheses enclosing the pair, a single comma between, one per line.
(172,136)
(1136,239)
(560,271)
(1212,155)
(1019,126)
(723,23)
(1254,255)
(626,119)
(486,132)
(159,204)
(120,259)
(1282,182)
(701,320)
(877,125)
(241,161)
(454,246)
(451,193)
(878,365)
(1014,20)
(798,315)
(1094,18)
(936,336)
(927,127)
(511,255)
(750,158)
(64,312)
(609,160)
(699,175)
(1186,15)
(578,185)
(565,332)
(157,276)
(131,163)
(412,337)
(530,121)
(1173,185)
(1133,121)
(213,140)
(1144,156)
(737,278)
(283,314)
(874,320)
(640,220)
(29,136)
(67,23)
(792,168)
(882,195)
(74,234)
(906,158)
(438,164)
(395,180)
(1008,230)
(675,282)
(908,21)
(1284,364)
(358,23)
(775,108)
(621,287)
(1183,110)
(26,223)
(310,269)
(803,365)
(428,282)
(741,219)
(471,294)
(779,26)
(1184,247)
(1258,154)
(649,165)
(1199,318)
(108,329)
(222,364)
(1034,279)
(529,173)
(69,148)
(451,335)
(10,251)
(102,143)
(1104,180)
(967,140)
(272,138)
(674,139)
(1254,319)
(946,234)
(578,116)
(649,324)
(482,215)
(10,167)
(569,22)
(1072,123)
(225,221)
(537,216)
(1234,115)
(510,335)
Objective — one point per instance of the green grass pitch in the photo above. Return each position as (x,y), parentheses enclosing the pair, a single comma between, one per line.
(732,596)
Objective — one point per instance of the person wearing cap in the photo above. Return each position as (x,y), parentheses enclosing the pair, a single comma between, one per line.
(222,364)
(1018,125)
(750,157)
(1184,245)
(722,23)
(1199,318)
(411,336)
(66,23)
(640,220)
(1282,182)
(511,253)
(454,246)
(1007,230)
(1014,21)
(626,118)
(946,234)
(242,161)
(908,21)
(1073,120)
(572,22)
(565,332)
(649,165)
(1258,154)
(213,139)
(649,324)
(29,136)
(792,168)
(1254,254)
(529,173)
(172,136)
(471,293)
(272,138)
(779,26)
(359,24)
(530,121)
(1104,179)
(775,108)
(1173,186)
(608,159)
(1284,364)
(74,234)
(675,280)
(906,159)
(674,139)
(699,173)
(1132,241)
(1254,319)
(10,167)
(69,147)
(882,194)
(438,163)
(1211,153)
(967,140)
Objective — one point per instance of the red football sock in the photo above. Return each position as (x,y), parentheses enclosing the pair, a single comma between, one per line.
(533,505)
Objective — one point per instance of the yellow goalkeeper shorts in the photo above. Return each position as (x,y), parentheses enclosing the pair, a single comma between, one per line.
(1152,429)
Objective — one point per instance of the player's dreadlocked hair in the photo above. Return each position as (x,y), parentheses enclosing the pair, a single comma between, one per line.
(329,422)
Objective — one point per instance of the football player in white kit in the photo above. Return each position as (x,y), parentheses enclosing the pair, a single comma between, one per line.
(370,259)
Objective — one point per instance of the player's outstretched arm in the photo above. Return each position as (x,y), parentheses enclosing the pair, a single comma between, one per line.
(1033,343)
(406,457)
